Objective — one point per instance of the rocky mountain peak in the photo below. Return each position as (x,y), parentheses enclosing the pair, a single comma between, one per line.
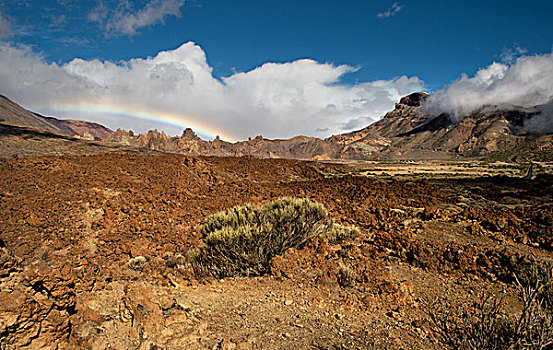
(414,100)
(189,134)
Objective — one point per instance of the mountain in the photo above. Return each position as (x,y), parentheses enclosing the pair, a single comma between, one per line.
(406,132)
(13,114)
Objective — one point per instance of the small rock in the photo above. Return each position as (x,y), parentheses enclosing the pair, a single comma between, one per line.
(394,314)
(137,263)
(173,261)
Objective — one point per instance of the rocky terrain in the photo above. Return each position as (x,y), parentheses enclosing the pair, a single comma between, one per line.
(300,147)
(92,253)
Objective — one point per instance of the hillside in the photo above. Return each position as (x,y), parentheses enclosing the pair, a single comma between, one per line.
(13,114)
(408,132)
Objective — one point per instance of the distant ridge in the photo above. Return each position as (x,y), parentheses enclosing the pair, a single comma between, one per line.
(13,114)
(406,132)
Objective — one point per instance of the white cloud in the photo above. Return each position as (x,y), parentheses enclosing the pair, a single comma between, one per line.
(276,100)
(392,11)
(305,92)
(121,19)
(510,54)
(37,77)
(528,82)
(541,123)
(5,28)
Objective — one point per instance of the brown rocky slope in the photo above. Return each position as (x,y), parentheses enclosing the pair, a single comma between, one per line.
(408,132)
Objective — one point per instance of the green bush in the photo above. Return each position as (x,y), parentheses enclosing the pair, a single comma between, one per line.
(244,239)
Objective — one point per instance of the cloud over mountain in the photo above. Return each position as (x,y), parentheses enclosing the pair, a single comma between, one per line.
(527,82)
(275,99)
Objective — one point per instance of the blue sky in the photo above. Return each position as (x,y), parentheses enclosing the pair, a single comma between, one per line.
(432,41)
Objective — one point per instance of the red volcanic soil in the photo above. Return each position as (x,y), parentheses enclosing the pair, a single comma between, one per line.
(69,226)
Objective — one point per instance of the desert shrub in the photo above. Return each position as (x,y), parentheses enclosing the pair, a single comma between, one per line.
(338,233)
(137,263)
(476,327)
(536,275)
(243,239)
(488,326)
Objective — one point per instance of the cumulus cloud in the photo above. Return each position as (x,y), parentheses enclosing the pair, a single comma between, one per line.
(5,28)
(277,100)
(527,82)
(121,19)
(392,11)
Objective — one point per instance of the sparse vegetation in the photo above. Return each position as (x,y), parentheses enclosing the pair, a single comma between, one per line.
(243,239)
(487,325)
(138,263)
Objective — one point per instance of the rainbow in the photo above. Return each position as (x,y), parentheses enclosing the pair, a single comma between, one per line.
(160,117)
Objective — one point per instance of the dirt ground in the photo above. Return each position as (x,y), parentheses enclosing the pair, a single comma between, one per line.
(69,225)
